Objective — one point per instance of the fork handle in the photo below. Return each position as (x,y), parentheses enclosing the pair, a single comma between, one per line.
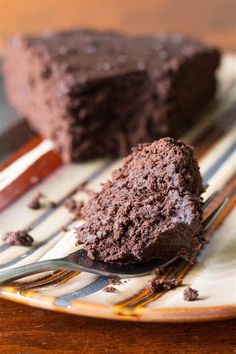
(29,269)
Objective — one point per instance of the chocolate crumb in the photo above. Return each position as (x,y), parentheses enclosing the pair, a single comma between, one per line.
(160,285)
(190,294)
(36,202)
(64,228)
(18,238)
(74,207)
(114,281)
(110,289)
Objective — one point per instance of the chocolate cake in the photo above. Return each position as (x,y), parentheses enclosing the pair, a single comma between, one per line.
(150,209)
(100,93)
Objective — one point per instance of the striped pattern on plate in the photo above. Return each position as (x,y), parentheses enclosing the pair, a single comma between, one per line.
(37,167)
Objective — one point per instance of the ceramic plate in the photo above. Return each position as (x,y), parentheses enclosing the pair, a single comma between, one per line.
(36,167)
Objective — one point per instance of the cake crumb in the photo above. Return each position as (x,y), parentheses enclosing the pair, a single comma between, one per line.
(190,294)
(110,289)
(160,285)
(64,228)
(36,202)
(18,238)
(74,207)
(114,281)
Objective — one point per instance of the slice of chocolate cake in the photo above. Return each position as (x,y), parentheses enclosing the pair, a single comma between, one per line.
(150,209)
(100,93)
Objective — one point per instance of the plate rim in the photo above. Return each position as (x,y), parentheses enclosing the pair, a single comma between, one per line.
(161,315)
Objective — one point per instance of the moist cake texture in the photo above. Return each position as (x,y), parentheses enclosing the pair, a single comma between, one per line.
(150,209)
(100,93)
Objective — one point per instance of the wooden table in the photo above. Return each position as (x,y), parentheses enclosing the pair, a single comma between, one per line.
(212,20)
(31,330)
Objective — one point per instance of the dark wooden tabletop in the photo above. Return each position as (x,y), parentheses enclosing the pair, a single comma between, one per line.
(31,330)
(211,20)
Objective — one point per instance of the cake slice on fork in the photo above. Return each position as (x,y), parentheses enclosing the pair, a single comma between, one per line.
(150,209)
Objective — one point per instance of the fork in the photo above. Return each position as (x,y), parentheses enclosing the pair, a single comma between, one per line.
(79,261)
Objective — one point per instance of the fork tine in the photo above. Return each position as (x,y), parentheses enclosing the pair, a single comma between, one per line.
(213,216)
(209,200)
